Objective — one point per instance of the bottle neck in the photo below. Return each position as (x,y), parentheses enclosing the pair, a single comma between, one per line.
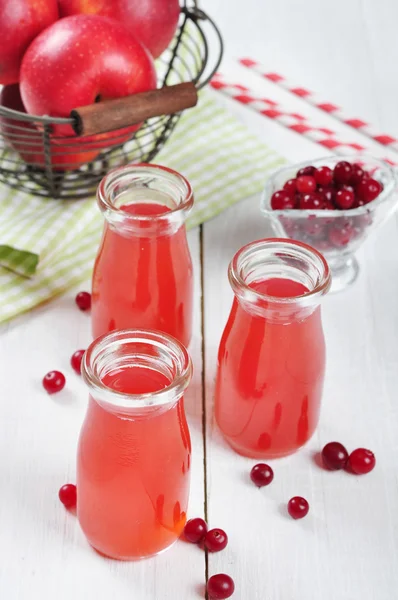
(160,365)
(281,280)
(145,200)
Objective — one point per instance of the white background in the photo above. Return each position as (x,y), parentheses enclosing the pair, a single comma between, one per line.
(346,549)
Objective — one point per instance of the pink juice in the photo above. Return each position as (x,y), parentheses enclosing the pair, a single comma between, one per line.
(133,472)
(143,280)
(270,377)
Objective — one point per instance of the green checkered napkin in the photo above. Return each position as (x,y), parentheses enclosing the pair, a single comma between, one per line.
(47,246)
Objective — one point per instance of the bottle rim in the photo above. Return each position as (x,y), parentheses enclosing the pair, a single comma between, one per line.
(283,250)
(117,347)
(179,186)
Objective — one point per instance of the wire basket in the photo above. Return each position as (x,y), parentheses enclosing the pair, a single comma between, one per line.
(35,160)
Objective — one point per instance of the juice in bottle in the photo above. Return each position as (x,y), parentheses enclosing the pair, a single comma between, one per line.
(134,450)
(143,273)
(271,360)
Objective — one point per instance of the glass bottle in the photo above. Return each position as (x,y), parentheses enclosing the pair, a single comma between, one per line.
(143,271)
(271,360)
(134,452)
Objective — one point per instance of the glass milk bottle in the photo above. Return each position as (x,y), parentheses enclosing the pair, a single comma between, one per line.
(143,271)
(271,360)
(134,453)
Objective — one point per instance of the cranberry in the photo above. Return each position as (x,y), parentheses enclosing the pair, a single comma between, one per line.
(334,456)
(356,174)
(323,245)
(195,530)
(216,540)
(83,300)
(312,201)
(281,200)
(323,176)
(341,236)
(290,225)
(314,229)
(345,186)
(76,360)
(329,205)
(67,494)
(305,184)
(362,461)
(261,475)
(358,202)
(362,221)
(310,170)
(298,507)
(345,199)
(368,189)
(342,172)
(290,186)
(53,381)
(327,193)
(220,587)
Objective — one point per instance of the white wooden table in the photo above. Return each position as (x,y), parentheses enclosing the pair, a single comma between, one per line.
(346,549)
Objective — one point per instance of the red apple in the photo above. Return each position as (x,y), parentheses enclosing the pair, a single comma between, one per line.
(20,22)
(26,139)
(80,60)
(153,22)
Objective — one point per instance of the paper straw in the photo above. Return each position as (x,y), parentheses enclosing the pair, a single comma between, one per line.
(330,108)
(293,121)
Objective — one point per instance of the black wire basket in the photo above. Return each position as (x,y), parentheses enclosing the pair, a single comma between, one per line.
(35,160)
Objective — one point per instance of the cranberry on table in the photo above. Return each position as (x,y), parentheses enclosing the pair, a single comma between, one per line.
(195,530)
(261,475)
(76,360)
(83,300)
(312,201)
(323,176)
(362,461)
(290,186)
(53,381)
(220,587)
(305,184)
(298,507)
(281,200)
(310,170)
(342,172)
(68,495)
(345,199)
(341,236)
(368,189)
(216,540)
(334,456)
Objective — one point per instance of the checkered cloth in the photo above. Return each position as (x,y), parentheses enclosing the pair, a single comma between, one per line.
(47,246)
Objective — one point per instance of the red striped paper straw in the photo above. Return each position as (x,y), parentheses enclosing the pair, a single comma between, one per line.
(328,107)
(293,121)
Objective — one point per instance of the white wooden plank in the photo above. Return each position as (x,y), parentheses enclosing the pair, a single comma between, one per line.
(44,553)
(347,547)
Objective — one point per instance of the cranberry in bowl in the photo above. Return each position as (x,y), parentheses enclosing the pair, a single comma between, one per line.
(332,204)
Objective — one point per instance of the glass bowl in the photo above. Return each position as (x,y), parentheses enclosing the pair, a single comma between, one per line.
(349,227)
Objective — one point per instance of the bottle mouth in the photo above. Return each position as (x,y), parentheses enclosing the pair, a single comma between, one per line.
(279,258)
(136,348)
(138,183)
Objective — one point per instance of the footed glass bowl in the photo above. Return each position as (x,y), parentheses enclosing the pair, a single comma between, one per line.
(335,233)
